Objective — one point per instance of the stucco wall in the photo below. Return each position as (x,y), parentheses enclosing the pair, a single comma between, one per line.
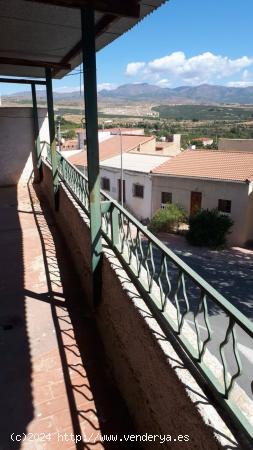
(140,207)
(238,145)
(144,364)
(17,141)
(249,216)
(212,191)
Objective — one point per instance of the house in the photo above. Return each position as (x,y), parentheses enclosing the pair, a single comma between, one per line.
(69,144)
(107,133)
(137,180)
(204,141)
(113,146)
(138,161)
(209,179)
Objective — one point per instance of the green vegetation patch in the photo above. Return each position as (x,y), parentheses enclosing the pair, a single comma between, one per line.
(203,112)
(168,218)
(209,228)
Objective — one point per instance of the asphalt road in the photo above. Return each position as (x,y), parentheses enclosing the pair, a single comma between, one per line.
(230,272)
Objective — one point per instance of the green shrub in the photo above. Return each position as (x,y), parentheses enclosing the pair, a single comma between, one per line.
(168,218)
(70,134)
(209,228)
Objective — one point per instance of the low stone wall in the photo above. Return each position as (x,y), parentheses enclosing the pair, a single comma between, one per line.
(167,405)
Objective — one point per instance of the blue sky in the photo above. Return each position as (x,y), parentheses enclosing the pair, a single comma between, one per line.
(185,42)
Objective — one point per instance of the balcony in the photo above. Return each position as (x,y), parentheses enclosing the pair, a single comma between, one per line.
(107,336)
(150,331)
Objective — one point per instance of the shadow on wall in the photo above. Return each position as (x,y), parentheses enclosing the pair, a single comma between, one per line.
(17,142)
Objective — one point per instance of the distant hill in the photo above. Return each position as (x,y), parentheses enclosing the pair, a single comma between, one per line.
(202,94)
(41,95)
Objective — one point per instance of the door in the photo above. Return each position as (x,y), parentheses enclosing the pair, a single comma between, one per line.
(119,191)
(196,198)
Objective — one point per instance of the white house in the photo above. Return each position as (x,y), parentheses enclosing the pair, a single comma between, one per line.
(137,180)
(209,179)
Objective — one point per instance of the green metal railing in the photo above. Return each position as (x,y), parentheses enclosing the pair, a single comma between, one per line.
(183,303)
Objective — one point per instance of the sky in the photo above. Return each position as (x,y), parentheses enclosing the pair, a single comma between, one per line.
(184,42)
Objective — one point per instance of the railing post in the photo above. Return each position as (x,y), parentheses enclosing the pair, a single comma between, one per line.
(36,153)
(50,107)
(90,93)
(115,225)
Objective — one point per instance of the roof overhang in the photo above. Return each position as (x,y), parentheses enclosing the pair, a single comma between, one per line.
(35,34)
(196,178)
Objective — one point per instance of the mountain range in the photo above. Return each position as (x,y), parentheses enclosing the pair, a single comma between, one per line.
(202,94)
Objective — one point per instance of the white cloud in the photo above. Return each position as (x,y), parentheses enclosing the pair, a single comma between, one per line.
(134,67)
(164,82)
(239,83)
(66,89)
(108,86)
(176,68)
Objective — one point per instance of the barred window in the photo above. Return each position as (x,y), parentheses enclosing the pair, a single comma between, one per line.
(105,183)
(224,205)
(138,190)
(166,197)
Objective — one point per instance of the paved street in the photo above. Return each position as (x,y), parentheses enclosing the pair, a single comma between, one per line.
(230,271)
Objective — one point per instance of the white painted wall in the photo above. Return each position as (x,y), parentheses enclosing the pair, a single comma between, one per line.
(139,207)
(17,142)
(212,191)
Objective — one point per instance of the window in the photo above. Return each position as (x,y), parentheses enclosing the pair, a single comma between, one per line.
(105,182)
(224,205)
(138,190)
(166,197)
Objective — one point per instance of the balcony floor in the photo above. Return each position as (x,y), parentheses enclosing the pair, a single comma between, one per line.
(53,377)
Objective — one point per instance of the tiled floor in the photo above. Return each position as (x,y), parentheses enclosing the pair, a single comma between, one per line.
(54,386)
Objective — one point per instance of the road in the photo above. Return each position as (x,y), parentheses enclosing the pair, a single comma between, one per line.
(230,272)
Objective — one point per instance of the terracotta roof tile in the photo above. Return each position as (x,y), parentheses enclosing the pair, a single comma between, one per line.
(111,147)
(212,164)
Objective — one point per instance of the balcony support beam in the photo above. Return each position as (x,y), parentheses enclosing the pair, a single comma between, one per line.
(21,81)
(36,154)
(91,116)
(50,107)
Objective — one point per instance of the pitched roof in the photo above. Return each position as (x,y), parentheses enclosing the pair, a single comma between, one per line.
(210,164)
(121,130)
(202,139)
(112,147)
(135,162)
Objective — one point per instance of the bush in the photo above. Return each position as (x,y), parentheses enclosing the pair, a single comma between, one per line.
(168,218)
(209,228)
(70,134)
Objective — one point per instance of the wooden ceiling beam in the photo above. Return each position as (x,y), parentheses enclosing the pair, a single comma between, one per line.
(130,8)
(33,63)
